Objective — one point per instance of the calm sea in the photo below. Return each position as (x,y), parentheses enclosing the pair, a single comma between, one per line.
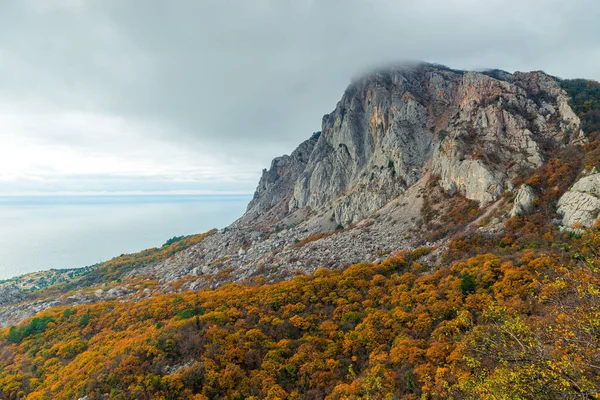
(38,233)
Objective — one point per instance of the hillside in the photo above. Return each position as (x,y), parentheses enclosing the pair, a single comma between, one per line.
(438,238)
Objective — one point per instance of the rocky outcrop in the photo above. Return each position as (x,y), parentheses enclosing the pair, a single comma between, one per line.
(581,204)
(10,294)
(499,128)
(374,144)
(277,254)
(276,185)
(14,313)
(524,201)
(392,137)
(476,131)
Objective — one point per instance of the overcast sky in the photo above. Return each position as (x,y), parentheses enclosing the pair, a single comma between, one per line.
(200,95)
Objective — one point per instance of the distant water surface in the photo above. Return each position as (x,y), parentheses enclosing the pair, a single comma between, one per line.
(38,233)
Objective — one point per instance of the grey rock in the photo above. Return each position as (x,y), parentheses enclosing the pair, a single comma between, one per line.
(495,128)
(524,201)
(580,205)
(475,131)
(276,185)
(373,145)
(10,294)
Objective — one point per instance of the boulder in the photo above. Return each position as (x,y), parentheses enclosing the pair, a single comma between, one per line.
(580,205)
(524,201)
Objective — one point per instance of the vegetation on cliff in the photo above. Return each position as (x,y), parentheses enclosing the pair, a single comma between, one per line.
(585,101)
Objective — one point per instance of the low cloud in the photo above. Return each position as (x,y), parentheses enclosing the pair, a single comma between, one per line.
(209,91)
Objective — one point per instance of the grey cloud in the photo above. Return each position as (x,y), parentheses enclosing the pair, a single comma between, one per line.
(251,79)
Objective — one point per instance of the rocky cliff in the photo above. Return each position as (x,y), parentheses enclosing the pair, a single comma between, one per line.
(276,185)
(394,167)
(498,129)
(476,131)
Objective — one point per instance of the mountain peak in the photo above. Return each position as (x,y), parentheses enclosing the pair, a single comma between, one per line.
(475,130)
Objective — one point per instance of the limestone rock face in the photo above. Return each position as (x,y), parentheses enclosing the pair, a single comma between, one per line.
(476,131)
(276,184)
(375,143)
(524,201)
(497,128)
(581,204)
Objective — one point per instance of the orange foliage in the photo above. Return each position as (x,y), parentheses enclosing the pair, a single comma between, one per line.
(387,330)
